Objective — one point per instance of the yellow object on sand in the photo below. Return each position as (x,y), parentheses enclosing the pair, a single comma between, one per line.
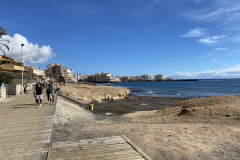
(91,106)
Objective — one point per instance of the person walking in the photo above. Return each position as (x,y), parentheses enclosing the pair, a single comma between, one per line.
(52,92)
(48,93)
(39,95)
(140,100)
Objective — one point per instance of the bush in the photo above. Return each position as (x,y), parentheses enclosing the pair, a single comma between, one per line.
(6,79)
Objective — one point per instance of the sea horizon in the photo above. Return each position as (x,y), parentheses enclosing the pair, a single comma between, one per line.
(184,89)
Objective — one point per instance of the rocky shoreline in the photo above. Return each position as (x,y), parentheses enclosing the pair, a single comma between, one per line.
(86,93)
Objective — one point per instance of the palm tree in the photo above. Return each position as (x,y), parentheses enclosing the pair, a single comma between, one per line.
(3,31)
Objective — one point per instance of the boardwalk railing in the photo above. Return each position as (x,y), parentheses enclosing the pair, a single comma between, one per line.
(10,94)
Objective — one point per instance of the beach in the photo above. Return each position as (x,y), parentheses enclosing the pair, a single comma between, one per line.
(164,128)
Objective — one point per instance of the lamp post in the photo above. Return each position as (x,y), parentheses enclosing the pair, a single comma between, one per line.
(22,68)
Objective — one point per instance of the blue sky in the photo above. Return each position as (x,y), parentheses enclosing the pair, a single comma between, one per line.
(182,39)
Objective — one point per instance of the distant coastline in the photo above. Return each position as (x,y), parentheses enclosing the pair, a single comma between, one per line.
(184,88)
(153,80)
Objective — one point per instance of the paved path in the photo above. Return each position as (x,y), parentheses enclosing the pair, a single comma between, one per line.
(25,130)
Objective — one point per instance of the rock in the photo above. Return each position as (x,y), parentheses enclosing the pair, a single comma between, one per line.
(184,111)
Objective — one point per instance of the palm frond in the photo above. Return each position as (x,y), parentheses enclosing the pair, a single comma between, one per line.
(5,45)
(2,40)
(3,52)
(3,31)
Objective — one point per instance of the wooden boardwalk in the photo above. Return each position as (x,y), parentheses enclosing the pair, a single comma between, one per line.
(107,148)
(25,130)
(25,133)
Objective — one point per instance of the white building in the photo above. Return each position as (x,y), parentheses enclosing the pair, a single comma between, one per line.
(35,71)
(158,77)
(145,77)
(81,77)
(71,75)
(115,79)
(103,77)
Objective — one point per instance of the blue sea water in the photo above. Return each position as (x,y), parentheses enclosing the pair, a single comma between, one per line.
(184,89)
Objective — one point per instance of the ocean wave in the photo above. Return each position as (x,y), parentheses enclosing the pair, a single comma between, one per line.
(201,88)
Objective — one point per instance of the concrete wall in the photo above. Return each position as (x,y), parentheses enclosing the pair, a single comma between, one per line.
(14,89)
(30,86)
(18,89)
(2,93)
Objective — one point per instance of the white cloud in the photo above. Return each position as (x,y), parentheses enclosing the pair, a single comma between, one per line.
(211,39)
(221,9)
(32,53)
(221,49)
(233,72)
(196,32)
(225,14)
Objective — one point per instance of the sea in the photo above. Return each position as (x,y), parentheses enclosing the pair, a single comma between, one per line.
(184,89)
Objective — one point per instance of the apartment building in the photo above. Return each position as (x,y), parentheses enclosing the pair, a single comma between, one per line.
(60,72)
(106,77)
(103,77)
(10,65)
(35,71)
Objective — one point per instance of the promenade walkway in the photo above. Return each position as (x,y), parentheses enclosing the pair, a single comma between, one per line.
(25,133)
(25,130)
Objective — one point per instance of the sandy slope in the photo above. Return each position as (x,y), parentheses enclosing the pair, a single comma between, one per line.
(208,130)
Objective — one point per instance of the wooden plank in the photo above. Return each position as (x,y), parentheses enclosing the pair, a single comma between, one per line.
(26,153)
(30,156)
(19,139)
(136,148)
(21,119)
(125,158)
(92,151)
(11,146)
(131,158)
(28,120)
(106,148)
(20,123)
(90,144)
(79,146)
(107,156)
(104,140)
(20,133)
(25,129)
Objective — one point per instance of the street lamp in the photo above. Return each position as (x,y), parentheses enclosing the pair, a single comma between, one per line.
(22,68)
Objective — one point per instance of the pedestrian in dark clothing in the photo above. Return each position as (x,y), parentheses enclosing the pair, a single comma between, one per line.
(39,95)
(48,94)
(140,101)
